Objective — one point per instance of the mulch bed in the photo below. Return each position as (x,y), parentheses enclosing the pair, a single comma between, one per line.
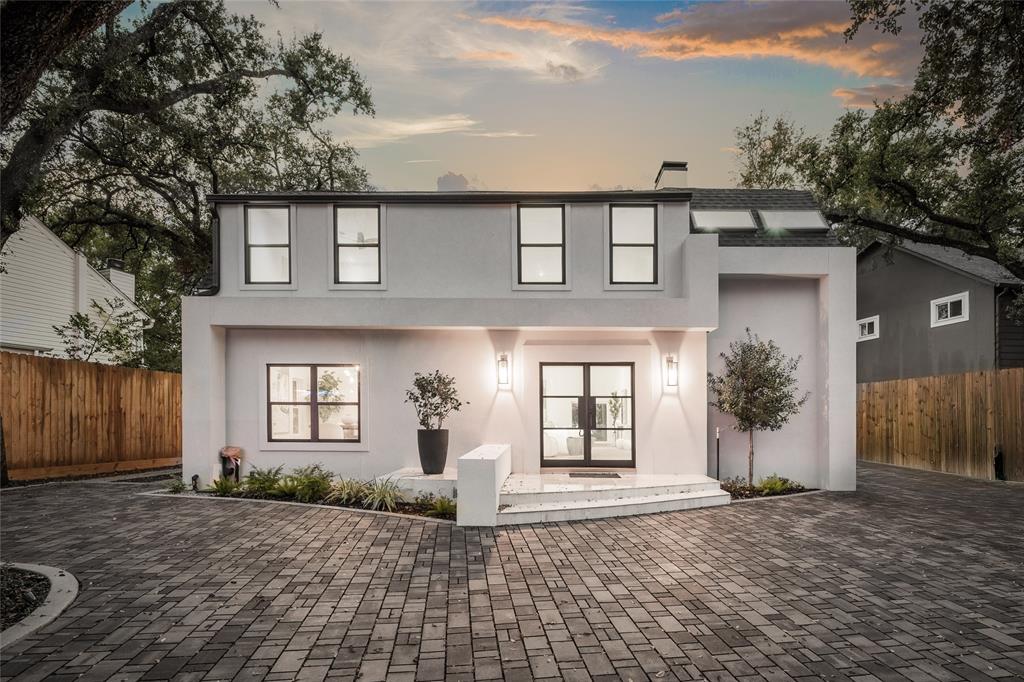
(742,491)
(22,592)
(407,508)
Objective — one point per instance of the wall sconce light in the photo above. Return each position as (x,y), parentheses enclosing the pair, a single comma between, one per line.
(504,370)
(671,370)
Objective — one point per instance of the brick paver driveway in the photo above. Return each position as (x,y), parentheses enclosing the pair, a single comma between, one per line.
(916,576)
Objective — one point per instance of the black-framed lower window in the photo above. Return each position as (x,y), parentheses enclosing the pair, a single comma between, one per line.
(357,245)
(633,247)
(268,245)
(314,403)
(541,244)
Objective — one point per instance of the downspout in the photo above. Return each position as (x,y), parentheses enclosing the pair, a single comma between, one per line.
(995,360)
(212,285)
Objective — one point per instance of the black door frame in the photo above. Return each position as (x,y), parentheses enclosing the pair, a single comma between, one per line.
(587,415)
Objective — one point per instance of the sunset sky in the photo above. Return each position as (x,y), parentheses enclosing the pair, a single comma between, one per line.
(587,95)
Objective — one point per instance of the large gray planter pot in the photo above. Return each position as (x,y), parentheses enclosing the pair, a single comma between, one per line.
(433,445)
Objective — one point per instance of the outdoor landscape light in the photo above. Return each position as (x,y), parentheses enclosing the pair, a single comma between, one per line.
(503,370)
(671,371)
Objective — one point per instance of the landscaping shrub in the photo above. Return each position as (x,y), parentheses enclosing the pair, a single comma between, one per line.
(224,487)
(766,487)
(442,508)
(346,491)
(777,485)
(286,487)
(176,486)
(262,483)
(382,494)
(312,483)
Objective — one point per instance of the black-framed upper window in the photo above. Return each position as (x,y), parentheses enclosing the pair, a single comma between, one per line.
(357,244)
(330,413)
(633,236)
(268,245)
(541,244)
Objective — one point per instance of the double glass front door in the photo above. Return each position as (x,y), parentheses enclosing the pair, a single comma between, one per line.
(587,414)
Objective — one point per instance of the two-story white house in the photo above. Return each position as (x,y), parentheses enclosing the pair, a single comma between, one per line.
(580,326)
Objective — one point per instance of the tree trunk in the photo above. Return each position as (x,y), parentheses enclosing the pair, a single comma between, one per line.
(750,459)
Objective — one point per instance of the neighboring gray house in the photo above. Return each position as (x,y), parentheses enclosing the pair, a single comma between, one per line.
(924,310)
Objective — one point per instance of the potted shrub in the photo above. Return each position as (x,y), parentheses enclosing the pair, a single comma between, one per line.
(435,397)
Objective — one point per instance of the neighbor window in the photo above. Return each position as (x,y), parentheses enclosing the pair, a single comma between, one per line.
(357,245)
(723,220)
(267,245)
(867,328)
(634,245)
(541,244)
(313,403)
(950,309)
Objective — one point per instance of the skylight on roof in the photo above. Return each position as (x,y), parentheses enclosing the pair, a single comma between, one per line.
(793,220)
(723,220)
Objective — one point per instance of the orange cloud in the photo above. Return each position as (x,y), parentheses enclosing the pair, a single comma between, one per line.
(812,35)
(865,97)
(488,56)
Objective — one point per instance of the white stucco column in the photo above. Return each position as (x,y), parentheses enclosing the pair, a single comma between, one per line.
(837,301)
(203,416)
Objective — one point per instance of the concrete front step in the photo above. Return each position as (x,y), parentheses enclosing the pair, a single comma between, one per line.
(582,509)
(520,489)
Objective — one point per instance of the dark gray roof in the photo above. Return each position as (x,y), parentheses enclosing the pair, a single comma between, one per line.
(467,197)
(767,199)
(762,199)
(982,268)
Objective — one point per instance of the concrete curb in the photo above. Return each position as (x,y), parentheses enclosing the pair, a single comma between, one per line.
(63,590)
(356,510)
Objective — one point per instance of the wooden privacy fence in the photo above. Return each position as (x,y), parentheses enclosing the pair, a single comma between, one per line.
(952,423)
(69,418)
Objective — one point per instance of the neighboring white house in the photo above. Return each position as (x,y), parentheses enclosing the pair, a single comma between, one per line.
(580,326)
(43,282)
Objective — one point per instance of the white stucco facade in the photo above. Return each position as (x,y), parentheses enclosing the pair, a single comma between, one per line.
(449,299)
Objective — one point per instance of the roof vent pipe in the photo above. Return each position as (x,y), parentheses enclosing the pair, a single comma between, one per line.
(672,174)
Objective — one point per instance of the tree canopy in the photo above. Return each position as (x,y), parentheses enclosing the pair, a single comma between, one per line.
(132,126)
(942,165)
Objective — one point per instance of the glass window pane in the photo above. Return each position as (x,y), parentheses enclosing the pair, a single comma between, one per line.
(607,380)
(611,444)
(633,224)
(357,225)
(942,311)
(723,220)
(541,264)
(793,220)
(289,422)
(267,225)
(612,412)
(562,380)
(956,308)
(562,413)
(337,384)
(633,264)
(269,264)
(338,422)
(358,264)
(289,384)
(540,225)
(564,444)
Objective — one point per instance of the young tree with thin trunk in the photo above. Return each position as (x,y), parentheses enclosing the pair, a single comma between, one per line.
(758,388)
